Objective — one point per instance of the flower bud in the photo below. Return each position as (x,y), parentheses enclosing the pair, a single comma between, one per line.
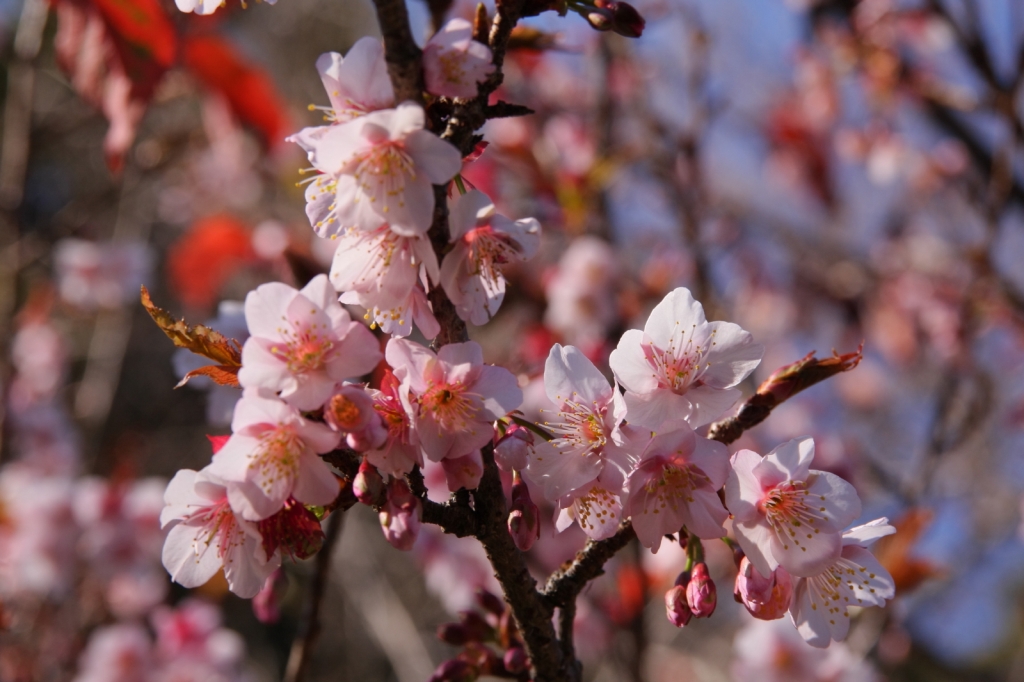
(266,603)
(512,451)
(368,485)
(524,517)
(454,670)
(765,598)
(452,633)
(490,602)
(626,21)
(600,21)
(516,660)
(676,608)
(701,594)
(477,628)
(294,530)
(400,516)
(351,412)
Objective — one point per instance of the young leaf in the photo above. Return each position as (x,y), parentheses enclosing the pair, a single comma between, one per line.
(201,340)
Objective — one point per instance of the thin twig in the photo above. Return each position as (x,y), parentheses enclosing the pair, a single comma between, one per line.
(302,647)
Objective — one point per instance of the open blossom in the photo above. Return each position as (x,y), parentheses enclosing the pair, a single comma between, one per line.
(453,396)
(483,242)
(303,343)
(453,63)
(587,436)
(379,169)
(206,535)
(116,653)
(820,602)
(385,273)
(681,366)
(350,411)
(272,455)
(596,509)
(401,451)
(787,514)
(676,483)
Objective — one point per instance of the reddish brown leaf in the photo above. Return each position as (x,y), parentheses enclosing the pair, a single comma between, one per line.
(221,374)
(199,339)
(248,89)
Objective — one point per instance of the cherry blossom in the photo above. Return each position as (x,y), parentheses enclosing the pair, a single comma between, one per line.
(116,653)
(357,83)
(379,169)
(206,535)
(204,7)
(453,63)
(272,455)
(453,397)
(400,516)
(483,242)
(384,272)
(596,509)
(350,411)
(587,435)
(401,451)
(786,513)
(681,366)
(303,343)
(676,484)
(820,602)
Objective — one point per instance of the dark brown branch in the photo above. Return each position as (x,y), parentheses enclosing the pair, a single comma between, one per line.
(302,647)
(566,621)
(532,613)
(452,517)
(404,58)
(564,584)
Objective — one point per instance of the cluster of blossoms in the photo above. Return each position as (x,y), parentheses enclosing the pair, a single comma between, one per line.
(608,452)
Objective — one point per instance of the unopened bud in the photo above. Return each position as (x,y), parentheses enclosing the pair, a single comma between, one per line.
(626,21)
(676,608)
(516,660)
(765,598)
(476,626)
(452,633)
(701,594)
(524,517)
(368,485)
(266,603)
(490,602)
(351,412)
(454,670)
(513,450)
(600,21)
(400,516)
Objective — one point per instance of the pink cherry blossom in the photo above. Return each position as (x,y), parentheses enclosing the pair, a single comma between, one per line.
(206,535)
(453,63)
(357,83)
(587,435)
(453,397)
(379,169)
(785,513)
(483,242)
(681,366)
(596,509)
(201,7)
(350,411)
(820,602)
(303,343)
(116,653)
(765,598)
(676,484)
(400,517)
(401,451)
(511,453)
(272,455)
(463,472)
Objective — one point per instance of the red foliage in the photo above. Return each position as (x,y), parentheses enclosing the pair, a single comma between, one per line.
(249,90)
(206,257)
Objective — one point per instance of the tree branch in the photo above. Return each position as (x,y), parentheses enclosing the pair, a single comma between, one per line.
(404,57)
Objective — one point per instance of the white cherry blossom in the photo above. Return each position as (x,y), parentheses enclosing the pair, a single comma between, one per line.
(682,366)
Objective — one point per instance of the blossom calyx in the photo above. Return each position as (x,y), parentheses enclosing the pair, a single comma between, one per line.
(368,486)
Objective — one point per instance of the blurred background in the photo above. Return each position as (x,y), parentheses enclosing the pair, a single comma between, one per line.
(823,173)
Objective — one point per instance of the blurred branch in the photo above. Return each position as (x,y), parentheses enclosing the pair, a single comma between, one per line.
(404,57)
(302,647)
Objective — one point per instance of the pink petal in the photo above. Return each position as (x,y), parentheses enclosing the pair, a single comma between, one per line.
(630,366)
(677,314)
(743,491)
(569,375)
(803,552)
(790,461)
(438,160)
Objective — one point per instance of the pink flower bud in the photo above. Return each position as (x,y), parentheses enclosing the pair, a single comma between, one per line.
(454,670)
(464,472)
(524,517)
(765,598)
(400,516)
(701,594)
(516,660)
(626,21)
(490,602)
(453,633)
(676,608)
(512,451)
(476,626)
(368,485)
(600,21)
(266,604)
